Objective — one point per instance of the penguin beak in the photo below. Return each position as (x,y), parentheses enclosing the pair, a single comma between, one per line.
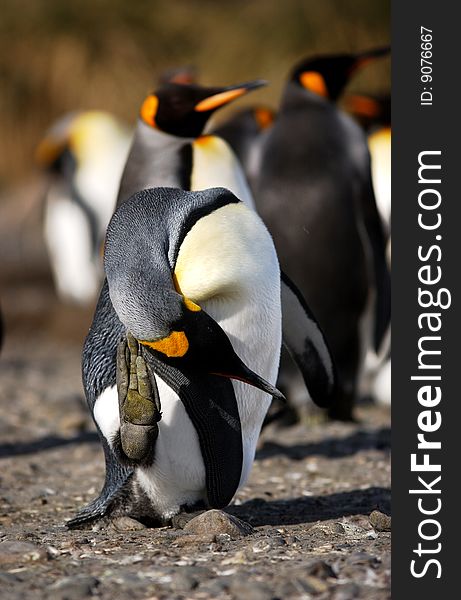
(251,378)
(369,56)
(227,95)
(201,345)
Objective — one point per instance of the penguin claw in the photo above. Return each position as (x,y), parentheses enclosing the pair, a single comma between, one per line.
(139,402)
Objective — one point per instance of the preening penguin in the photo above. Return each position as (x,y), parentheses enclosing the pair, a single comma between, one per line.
(188,326)
(314,193)
(83,155)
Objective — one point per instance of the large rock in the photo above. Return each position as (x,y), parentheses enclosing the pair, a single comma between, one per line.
(215,522)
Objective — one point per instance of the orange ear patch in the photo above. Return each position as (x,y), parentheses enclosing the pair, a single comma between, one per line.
(264,117)
(314,82)
(174,346)
(363,106)
(220,99)
(149,110)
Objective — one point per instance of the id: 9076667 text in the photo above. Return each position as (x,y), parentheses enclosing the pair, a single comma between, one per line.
(426,66)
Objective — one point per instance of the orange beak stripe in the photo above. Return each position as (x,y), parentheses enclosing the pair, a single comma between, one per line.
(314,82)
(149,110)
(219,99)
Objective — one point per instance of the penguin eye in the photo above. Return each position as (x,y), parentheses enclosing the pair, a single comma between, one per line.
(149,110)
(314,82)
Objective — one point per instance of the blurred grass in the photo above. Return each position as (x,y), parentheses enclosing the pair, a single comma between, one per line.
(61,55)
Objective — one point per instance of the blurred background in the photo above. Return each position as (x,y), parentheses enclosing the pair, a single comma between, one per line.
(57,57)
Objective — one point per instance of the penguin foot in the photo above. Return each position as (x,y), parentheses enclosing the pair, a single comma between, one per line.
(139,403)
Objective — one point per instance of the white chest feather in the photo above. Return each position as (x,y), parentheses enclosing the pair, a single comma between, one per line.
(215,165)
(76,270)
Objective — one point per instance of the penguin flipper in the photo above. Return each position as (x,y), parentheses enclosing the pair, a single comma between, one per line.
(306,344)
(117,476)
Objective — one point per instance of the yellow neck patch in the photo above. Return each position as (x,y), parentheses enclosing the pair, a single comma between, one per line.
(314,82)
(149,110)
(174,346)
(189,304)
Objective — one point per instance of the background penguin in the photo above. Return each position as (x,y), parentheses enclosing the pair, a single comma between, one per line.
(194,278)
(169,150)
(243,132)
(374,114)
(83,154)
(314,192)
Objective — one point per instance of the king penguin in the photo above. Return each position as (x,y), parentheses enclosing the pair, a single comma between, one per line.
(169,150)
(315,194)
(374,114)
(168,146)
(243,131)
(180,362)
(83,155)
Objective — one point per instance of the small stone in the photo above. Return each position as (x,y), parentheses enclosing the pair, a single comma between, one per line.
(8,579)
(216,522)
(222,538)
(73,588)
(320,569)
(348,591)
(250,590)
(327,529)
(52,552)
(14,551)
(127,524)
(380,521)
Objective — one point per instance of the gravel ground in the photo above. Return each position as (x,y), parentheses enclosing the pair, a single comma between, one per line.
(309,498)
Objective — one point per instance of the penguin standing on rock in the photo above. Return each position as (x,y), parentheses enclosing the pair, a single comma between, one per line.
(183,352)
(83,155)
(314,192)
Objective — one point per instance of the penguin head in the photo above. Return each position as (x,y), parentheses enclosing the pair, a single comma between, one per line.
(85,135)
(147,298)
(184,109)
(327,75)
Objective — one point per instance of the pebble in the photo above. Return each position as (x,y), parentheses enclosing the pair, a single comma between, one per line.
(320,569)
(127,524)
(12,551)
(380,521)
(216,522)
(239,587)
(72,588)
(348,591)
